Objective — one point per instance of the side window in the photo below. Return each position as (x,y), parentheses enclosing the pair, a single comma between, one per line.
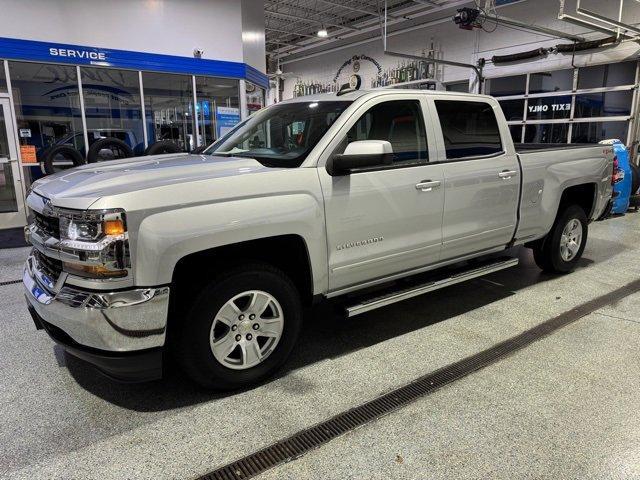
(399,122)
(469,128)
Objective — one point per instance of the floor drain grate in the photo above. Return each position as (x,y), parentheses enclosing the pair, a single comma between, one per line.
(306,440)
(9,282)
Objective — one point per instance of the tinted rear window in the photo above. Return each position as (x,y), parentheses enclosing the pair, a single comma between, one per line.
(469,128)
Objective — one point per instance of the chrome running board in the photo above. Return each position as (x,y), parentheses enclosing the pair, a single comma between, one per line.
(399,295)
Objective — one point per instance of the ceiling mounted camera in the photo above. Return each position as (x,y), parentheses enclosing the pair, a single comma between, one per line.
(198,52)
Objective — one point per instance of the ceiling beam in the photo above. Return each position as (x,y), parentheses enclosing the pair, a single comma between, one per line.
(357,9)
(313,20)
(290,33)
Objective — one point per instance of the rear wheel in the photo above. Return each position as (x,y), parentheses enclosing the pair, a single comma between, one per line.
(561,249)
(241,328)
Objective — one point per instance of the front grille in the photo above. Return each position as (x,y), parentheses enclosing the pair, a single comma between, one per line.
(49,225)
(49,266)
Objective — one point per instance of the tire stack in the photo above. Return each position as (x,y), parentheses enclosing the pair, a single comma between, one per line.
(60,157)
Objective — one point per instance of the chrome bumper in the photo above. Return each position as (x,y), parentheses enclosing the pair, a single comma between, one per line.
(119,321)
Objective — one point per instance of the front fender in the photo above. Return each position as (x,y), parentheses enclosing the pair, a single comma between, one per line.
(166,237)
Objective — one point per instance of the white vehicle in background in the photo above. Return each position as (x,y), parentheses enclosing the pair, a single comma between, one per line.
(211,257)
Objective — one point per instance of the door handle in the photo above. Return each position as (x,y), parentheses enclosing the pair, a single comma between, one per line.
(427,185)
(507,174)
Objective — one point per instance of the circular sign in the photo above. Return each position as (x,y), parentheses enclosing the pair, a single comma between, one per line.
(355,81)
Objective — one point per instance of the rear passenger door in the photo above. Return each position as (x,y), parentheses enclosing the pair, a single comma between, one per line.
(388,219)
(482,178)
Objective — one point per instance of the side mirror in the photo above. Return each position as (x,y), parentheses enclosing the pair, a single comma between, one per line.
(361,155)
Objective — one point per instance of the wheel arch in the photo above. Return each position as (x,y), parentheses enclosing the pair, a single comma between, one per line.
(584,195)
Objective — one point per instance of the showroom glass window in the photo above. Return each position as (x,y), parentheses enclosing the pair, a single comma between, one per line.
(554,112)
(604,104)
(469,128)
(554,81)
(401,123)
(546,133)
(112,105)
(462,87)
(609,75)
(255,97)
(47,104)
(514,85)
(217,105)
(168,101)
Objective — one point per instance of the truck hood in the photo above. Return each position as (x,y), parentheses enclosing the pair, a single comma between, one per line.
(82,186)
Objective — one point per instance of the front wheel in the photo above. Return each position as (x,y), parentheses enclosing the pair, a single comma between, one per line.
(241,328)
(561,249)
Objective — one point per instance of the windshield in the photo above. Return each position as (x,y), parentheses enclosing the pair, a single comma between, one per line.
(281,135)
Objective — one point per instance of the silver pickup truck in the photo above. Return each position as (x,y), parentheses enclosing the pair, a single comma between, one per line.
(373,197)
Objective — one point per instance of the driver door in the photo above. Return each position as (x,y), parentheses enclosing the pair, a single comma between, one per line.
(384,221)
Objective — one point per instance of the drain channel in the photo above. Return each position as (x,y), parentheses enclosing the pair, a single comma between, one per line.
(9,282)
(300,443)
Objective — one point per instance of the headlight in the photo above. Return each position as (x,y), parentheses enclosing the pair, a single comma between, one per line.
(100,240)
(91,226)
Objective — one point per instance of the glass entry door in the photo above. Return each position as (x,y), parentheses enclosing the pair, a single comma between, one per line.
(12,211)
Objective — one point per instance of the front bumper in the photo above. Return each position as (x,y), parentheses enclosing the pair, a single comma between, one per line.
(138,366)
(100,326)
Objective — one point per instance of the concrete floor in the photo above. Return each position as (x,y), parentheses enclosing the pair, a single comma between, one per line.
(565,407)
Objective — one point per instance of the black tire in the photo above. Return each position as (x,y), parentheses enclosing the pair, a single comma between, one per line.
(635,179)
(192,348)
(547,252)
(118,149)
(200,149)
(60,152)
(162,147)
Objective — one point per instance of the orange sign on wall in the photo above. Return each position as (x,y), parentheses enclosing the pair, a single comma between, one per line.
(28,154)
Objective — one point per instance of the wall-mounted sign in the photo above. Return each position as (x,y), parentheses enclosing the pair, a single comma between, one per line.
(226,119)
(28,154)
(355,60)
(80,54)
(25,133)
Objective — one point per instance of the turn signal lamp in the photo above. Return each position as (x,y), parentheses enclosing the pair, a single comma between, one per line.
(92,271)
(113,227)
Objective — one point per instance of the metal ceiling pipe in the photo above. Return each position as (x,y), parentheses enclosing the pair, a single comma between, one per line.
(588,24)
(369,28)
(610,21)
(290,32)
(476,69)
(356,9)
(308,19)
(534,28)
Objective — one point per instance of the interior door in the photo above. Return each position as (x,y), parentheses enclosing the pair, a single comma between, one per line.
(482,179)
(12,211)
(386,220)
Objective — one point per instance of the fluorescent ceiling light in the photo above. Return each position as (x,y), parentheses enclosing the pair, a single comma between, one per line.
(322,32)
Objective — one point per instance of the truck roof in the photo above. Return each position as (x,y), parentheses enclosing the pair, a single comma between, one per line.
(355,94)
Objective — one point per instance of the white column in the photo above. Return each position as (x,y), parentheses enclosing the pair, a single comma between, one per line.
(244,112)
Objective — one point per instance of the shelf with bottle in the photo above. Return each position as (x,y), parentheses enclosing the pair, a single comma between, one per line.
(404,72)
(310,87)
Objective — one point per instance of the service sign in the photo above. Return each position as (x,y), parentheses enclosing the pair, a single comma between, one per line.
(78,54)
